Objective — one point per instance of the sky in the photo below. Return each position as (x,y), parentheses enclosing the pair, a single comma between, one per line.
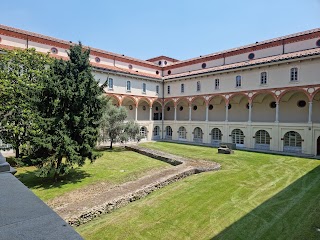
(146,28)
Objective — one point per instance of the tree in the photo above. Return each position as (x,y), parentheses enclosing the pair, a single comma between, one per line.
(70,110)
(21,75)
(113,125)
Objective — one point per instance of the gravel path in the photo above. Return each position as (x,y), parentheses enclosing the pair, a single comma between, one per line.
(82,205)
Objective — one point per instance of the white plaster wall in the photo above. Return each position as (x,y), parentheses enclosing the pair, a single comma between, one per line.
(262,112)
(302,45)
(44,48)
(200,113)
(169,115)
(289,112)
(143,114)
(135,67)
(14,42)
(120,84)
(316,110)
(238,111)
(184,114)
(104,61)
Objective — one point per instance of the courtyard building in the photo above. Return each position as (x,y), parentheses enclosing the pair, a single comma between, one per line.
(262,96)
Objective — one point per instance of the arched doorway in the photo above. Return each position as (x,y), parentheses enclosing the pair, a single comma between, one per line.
(318,146)
(292,142)
(197,135)
(182,133)
(168,132)
(156,133)
(143,132)
(216,137)
(237,137)
(262,138)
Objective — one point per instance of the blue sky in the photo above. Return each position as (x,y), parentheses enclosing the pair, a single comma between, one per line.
(148,28)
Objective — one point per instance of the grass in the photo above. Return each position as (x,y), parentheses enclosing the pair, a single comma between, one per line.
(115,166)
(254,196)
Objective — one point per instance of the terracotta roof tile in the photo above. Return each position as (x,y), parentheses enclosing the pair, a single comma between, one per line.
(277,58)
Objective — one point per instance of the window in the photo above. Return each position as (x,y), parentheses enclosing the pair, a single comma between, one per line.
(110,83)
(157,89)
(292,139)
(238,81)
(237,136)
(168,89)
(143,132)
(216,134)
(263,78)
(262,137)
(182,133)
(144,88)
(168,132)
(198,86)
(216,84)
(197,134)
(182,87)
(294,74)
(156,131)
(128,86)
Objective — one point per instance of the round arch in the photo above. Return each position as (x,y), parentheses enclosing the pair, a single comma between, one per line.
(197,135)
(292,142)
(168,132)
(182,133)
(262,140)
(295,89)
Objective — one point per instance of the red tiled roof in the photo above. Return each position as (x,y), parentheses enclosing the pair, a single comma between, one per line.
(121,70)
(277,58)
(162,58)
(251,47)
(67,43)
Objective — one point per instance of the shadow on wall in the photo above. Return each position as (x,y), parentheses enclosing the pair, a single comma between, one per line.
(31,181)
(293,213)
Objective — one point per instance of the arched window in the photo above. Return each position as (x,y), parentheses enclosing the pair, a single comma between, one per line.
(197,134)
(262,140)
(216,136)
(292,142)
(168,132)
(237,137)
(143,132)
(182,133)
(262,137)
(238,81)
(294,74)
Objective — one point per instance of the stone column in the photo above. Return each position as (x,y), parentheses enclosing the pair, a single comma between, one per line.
(310,113)
(175,113)
(136,117)
(190,112)
(207,112)
(277,112)
(150,114)
(250,112)
(162,112)
(227,112)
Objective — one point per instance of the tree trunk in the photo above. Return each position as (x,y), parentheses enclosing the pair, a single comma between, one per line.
(17,151)
(56,175)
(111,141)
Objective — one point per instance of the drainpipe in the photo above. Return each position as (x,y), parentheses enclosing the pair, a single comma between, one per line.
(162,112)
(27,42)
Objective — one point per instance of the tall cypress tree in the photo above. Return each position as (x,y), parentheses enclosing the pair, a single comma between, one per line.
(70,110)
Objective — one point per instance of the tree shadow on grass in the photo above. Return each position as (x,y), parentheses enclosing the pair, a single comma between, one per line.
(29,179)
(293,213)
(108,149)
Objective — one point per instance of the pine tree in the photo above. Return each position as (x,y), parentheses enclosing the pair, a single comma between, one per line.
(70,110)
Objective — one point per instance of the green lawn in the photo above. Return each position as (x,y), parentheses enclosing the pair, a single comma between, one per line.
(254,196)
(115,167)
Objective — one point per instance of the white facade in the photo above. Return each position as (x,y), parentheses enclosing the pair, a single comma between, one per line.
(262,96)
